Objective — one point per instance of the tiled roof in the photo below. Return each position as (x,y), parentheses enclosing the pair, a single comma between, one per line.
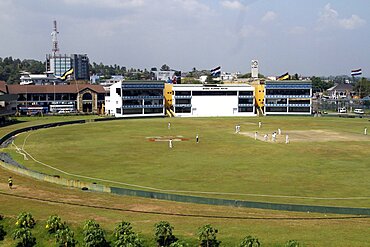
(3,86)
(18,89)
(341,87)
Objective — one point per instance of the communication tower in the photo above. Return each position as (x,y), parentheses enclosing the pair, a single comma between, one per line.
(55,49)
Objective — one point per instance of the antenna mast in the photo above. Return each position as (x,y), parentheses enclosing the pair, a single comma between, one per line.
(55,49)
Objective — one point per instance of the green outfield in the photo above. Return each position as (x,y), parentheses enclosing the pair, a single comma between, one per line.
(327,161)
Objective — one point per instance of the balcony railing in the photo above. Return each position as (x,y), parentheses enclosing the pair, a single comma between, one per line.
(142,97)
(141,106)
(286,96)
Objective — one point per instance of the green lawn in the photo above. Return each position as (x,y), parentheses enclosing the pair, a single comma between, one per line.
(222,162)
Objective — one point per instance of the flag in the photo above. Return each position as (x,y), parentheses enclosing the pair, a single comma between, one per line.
(66,74)
(216,71)
(283,77)
(356,72)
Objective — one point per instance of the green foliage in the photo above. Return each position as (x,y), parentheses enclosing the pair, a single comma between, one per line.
(125,237)
(10,68)
(2,232)
(163,234)
(93,235)
(292,243)
(250,241)
(319,85)
(54,223)
(25,237)
(249,75)
(179,244)
(25,220)
(207,236)
(65,237)
(362,87)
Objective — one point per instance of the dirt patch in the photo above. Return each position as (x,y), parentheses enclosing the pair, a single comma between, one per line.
(308,136)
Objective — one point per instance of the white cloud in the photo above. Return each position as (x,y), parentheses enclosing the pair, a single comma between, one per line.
(250,31)
(108,3)
(191,5)
(297,30)
(269,16)
(329,18)
(352,23)
(235,5)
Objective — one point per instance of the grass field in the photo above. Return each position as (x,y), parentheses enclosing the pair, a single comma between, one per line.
(327,157)
(326,163)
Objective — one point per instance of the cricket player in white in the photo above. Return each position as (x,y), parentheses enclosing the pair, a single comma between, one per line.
(286,139)
(170,143)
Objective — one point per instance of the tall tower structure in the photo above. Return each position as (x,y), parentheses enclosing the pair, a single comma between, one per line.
(55,49)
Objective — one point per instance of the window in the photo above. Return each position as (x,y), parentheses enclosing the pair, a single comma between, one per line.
(182,109)
(299,109)
(184,93)
(87,96)
(118,110)
(245,109)
(118,91)
(276,109)
(245,101)
(250,93)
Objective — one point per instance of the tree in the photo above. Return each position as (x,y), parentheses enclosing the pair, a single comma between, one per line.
(54,223)
(125,236)
(165,67)
(207,236)
(163,234)
(93,235)
(362,87)
(319,85)
(25,220)
(65,237)
(25,237)
(250,241)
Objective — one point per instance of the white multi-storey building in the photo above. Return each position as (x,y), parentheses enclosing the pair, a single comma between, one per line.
(135,99)
(193,100)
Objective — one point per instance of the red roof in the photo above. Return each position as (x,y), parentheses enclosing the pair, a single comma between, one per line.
(3,86)
(18,89)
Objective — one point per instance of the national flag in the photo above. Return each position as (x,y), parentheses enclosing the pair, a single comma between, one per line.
(66,74)
(216,71)
(356,72)
(283,77)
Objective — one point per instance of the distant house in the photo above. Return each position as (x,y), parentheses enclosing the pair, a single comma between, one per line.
(341,91)
(8,104)
(32,99)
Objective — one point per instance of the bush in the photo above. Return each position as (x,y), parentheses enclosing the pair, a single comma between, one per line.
(25,237)
(250,241)
(292,243)
(94,235)
(179,244)
(125,236)
(65,237)
(25,220)
(54,223)
(163,234)
(2,233)
(207,236)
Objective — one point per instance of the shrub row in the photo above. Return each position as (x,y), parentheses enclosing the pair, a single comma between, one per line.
(123,234)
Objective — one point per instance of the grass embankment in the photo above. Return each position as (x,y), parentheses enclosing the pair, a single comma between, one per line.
(273,228)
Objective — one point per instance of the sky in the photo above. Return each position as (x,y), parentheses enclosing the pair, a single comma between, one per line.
(311,38)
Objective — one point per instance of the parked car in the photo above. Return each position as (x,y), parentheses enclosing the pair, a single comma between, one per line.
(359,111)
(342,110)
